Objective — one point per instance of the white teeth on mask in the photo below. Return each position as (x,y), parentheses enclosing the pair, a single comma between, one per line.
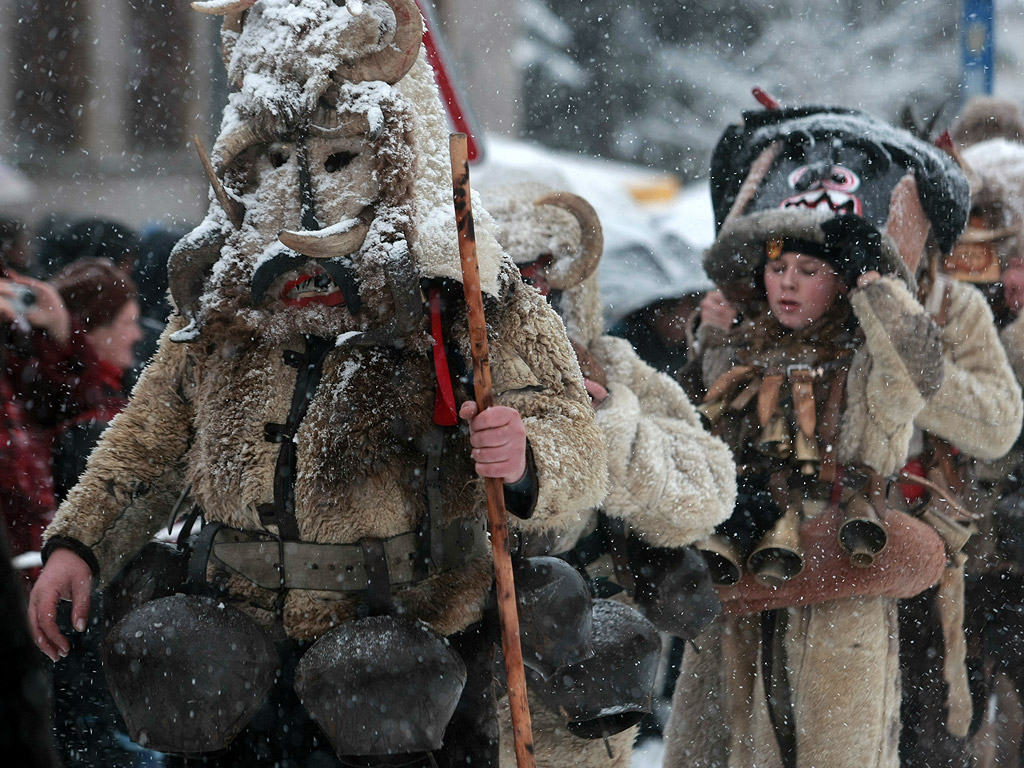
(319,285)
(818,198)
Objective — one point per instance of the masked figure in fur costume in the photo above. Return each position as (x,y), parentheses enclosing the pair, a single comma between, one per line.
(306,394)
(670,481)
(990,256)
(819,393)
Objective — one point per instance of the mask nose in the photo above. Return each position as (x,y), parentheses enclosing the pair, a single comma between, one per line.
(813,176)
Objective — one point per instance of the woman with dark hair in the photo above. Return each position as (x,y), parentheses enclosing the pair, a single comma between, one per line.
(105,307)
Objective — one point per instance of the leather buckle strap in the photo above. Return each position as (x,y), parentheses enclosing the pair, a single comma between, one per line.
(256,556)
(378,587)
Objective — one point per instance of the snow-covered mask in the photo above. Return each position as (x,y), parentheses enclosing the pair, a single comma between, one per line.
(315,180)
(312,173)
(831,173)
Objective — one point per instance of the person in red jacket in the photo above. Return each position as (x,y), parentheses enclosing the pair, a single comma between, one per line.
(35,330)
(105,309)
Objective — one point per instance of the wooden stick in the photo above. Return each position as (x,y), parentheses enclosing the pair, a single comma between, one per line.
(522,730)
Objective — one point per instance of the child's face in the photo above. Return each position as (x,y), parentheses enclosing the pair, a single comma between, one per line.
(800,288)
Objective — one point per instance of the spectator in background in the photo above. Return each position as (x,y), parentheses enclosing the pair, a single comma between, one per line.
(34,346)
(66,241)
(105,307)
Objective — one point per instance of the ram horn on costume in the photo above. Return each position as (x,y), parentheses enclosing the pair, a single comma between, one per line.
(392,61)
(339,239)
(404,282)
(223,7)
(189,264)
(585,262)
(232,206)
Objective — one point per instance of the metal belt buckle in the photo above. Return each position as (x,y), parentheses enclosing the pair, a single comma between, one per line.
(814,371)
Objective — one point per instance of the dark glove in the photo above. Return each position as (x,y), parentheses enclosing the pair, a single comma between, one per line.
(854,247)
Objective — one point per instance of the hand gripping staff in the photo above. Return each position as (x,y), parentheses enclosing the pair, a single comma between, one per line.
(507,613)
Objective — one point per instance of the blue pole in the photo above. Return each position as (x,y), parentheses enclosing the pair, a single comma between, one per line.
(977,45)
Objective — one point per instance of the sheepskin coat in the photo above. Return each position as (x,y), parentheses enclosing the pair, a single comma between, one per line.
(198,416)
(843,662)
(978,406)
(669,479)
(318,145)
(841,655)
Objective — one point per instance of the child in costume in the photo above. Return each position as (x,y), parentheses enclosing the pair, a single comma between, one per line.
(816,370)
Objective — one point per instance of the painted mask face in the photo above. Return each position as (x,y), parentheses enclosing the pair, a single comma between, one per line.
(829,173)
(533,274)
(800,288)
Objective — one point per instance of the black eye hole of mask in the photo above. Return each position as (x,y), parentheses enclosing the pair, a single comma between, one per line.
(278,153)
(338,160)
(242,175)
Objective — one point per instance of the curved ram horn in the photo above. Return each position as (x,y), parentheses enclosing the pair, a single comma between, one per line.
(396,58)
(231,146)
(340,239)
(232,207)
(583,264)
(189,265)
(222,7)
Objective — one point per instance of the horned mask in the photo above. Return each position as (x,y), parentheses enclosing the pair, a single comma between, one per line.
(329,194)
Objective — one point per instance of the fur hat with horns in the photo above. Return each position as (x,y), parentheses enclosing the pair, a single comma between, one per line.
(331,163)
(987,118)
(555,238)
(994,231)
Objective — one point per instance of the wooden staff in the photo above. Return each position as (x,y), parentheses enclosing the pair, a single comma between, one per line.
(508,614)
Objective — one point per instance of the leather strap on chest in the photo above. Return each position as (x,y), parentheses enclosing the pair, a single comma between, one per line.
(310,369)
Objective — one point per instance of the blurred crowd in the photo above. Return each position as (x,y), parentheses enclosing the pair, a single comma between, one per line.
(82,304)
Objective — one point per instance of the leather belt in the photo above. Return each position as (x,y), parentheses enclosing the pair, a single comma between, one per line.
(256,556)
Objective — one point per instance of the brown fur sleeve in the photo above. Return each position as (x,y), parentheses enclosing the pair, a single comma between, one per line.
(534,370)
(134,475)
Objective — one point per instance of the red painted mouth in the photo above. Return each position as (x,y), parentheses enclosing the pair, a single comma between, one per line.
(312,289)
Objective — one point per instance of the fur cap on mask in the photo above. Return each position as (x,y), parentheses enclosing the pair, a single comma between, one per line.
(783,175)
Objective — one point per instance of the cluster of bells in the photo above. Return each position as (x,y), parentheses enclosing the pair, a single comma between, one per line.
(777,439)
(779,555)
